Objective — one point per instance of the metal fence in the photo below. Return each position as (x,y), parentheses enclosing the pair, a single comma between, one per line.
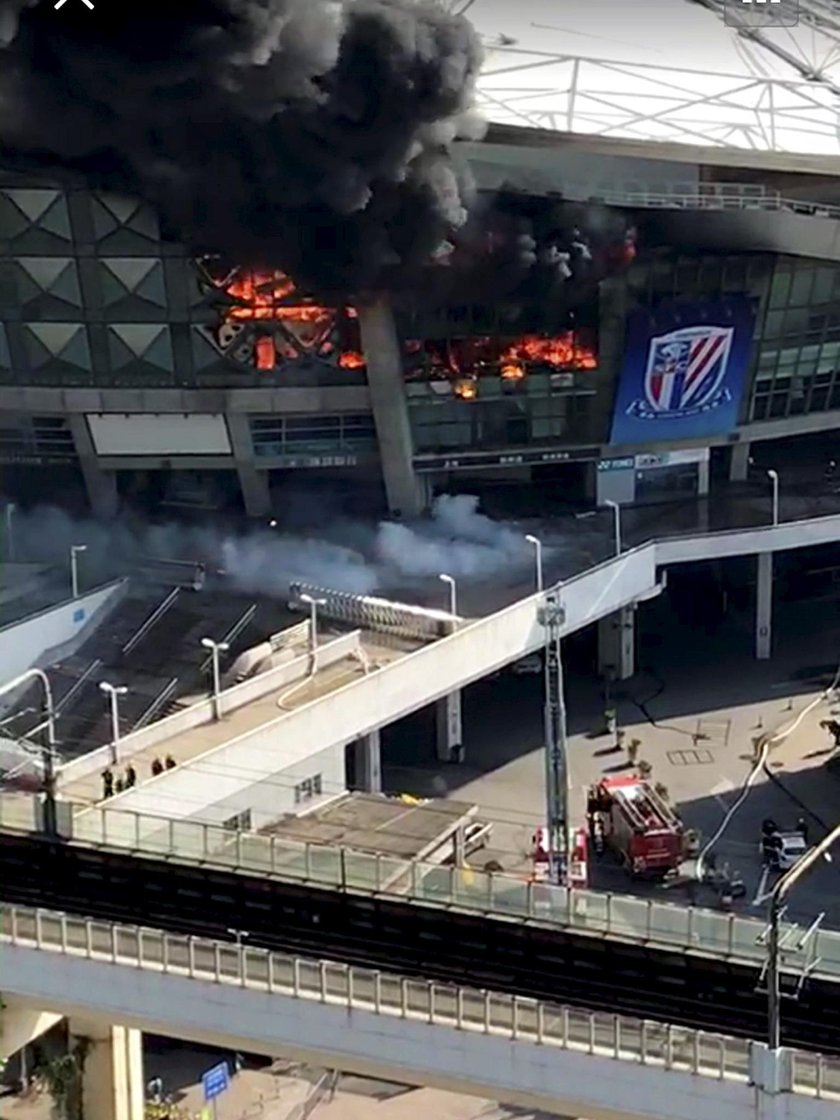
(400,619)
(615,1036)
(629,918)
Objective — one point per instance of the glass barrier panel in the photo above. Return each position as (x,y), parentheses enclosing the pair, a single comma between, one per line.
(830,1077)
(682,1047)
(50,929)
(588,910)
(394,875)
(19,811)
(360,870)
(745,938)
(581,1030)
(389,991)
(289,858)
(712,932)
(827,952)
(282,970)
(230,961)
(553,1027)
(309,976)
(510,895)
(656,1043)
(255,852)
(76,934)
(126,943)
(628,917)
(446,1002)
(152,945)
(671,924)
(805,1075)
(159,841)
(256,966)
(88,827)
(7,921)
(337,980)
(433,883)
(555,904)
(417,997)
(526,1017)
(325,865)
(473,889)
(188,839)
(215,839)
(472,1009)
(501,1013)
(630,1037)
(102,939)
(119,830)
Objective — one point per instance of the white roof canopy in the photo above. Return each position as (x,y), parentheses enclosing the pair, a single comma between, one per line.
(661,70)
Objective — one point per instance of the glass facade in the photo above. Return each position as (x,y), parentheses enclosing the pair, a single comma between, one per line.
(36,440)
(289,436)
(798,362)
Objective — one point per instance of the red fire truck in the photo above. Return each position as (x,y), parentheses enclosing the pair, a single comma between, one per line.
(627,815)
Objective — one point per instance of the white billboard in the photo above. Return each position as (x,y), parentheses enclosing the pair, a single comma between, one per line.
(159,433)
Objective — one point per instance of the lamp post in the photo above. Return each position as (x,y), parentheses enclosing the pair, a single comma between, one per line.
(537,543)
(75,549)
(114,692)
(48,749)
(616,508)
(777,897)
(453,592)
(10,511)
(774,479)
(216,649)
(313,605)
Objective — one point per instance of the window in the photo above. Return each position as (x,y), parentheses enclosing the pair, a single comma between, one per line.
(308,788)
(241,822)
(316,434)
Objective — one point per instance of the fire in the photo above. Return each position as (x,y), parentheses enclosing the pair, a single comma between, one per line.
(512,371)
(352,359)
(563,350)
(466,389)
(301,326)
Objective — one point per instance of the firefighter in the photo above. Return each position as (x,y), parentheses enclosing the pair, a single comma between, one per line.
(157,767)
(130,776)
(170,762)
(107,784)
(802,828)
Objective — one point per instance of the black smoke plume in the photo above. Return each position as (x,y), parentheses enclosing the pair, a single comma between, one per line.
(309,135)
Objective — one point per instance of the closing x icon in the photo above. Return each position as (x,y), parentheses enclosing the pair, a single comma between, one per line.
(61,4)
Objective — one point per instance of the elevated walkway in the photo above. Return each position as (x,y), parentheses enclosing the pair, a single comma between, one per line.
(518,1051)
(356,707)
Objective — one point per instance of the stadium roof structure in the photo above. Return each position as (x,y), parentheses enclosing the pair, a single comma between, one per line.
(662,70)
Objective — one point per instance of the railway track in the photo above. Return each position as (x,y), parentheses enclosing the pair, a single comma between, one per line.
(429,942)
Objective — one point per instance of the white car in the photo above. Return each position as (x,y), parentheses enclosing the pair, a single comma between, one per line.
(528,666)
(783,849)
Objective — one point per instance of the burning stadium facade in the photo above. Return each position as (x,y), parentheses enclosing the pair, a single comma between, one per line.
(129,366)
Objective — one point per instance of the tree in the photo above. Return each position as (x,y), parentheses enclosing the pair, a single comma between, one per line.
(63,1078)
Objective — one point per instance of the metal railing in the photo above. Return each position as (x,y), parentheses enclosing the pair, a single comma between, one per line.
(143,629)
(694,200)
(622,1038)
(77,686)
(156,704)
(641,920)
(231,635)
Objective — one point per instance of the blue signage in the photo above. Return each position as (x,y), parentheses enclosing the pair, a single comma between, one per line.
(215,1081)
(79,614)
(684,371)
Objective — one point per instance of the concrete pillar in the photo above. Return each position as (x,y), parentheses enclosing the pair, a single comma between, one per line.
(617,645)
(703,494)
(739,462)
(764,606)
(256,494)
(449,734)
(112,1082)
(101,485)
(369,762)
(403,490)
(21,1025)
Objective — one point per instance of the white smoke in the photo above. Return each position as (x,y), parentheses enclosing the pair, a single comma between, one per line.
(353,556)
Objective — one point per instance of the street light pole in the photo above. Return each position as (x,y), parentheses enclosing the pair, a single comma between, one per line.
(537,543)
(11,509)
(216,649)
(114,692)
(552,615)
(48,749)
(313,605)
(453,593)
(616,508)
(773,475)
(777,897)
(75,549)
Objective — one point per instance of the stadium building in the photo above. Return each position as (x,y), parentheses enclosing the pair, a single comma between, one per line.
(701,159)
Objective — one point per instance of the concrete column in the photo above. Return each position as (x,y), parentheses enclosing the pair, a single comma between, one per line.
(101,485)
(449,730)
(739,462)
(256,494)
(403,490)
(369,762)
(617,645)
(703,494)
(112,1084)
(764,606)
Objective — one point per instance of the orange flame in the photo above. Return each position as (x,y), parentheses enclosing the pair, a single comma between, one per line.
(466,389)
(563,350)
(270,297)
(512,371)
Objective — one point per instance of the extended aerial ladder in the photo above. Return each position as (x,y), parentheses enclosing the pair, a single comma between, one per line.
(552,615)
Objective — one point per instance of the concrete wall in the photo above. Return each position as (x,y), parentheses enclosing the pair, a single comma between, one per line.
(267,800)
(516,1072)
(58,630)
(746,542)
(202,712)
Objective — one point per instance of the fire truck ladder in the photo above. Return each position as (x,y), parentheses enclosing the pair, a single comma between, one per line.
(805,943)
(552,615)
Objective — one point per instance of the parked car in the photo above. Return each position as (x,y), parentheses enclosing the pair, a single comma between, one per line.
(783,849)
(529,666)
